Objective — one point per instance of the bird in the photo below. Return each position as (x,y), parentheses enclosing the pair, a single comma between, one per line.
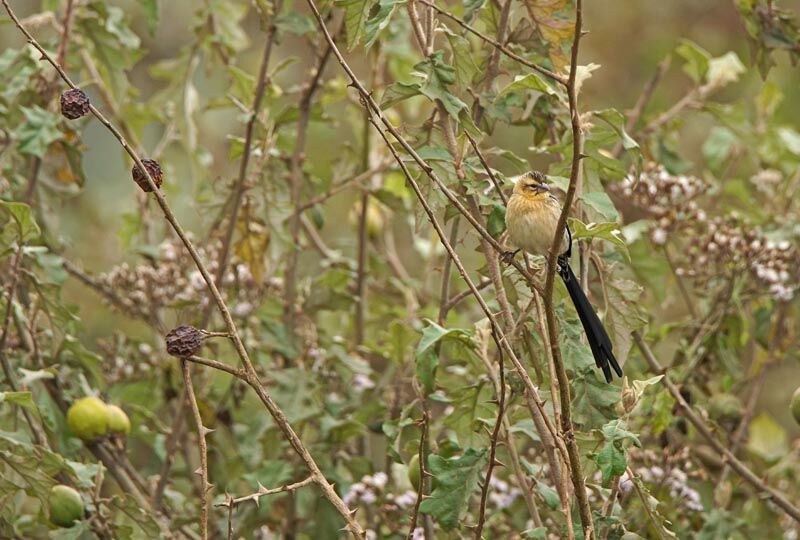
(531,219)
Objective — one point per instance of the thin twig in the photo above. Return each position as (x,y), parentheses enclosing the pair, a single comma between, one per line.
(727,456)
(296,187)
(505,50)
(644,99)
(240,187)
(263,492)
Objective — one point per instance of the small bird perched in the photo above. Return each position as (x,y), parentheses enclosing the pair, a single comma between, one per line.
(531,220)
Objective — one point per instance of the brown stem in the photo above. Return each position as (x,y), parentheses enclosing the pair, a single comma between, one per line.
(240,186)
(444,290)
(567,428)
(202,431)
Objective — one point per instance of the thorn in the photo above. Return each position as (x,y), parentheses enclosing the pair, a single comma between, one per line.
(261,489)
(583,156)
(494,401)
(198,471)
(209,486)
(498,463)
(584,33)
(205,431)
(353,512)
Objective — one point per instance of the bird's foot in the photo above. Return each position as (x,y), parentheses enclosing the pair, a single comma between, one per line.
(508,256)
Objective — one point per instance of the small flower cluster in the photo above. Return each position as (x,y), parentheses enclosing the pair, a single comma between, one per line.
(127,360)
(669,200)
(675,479)
(172,279)
(672,471)
(717,246)
(733,246)
(367,490)
(502,495)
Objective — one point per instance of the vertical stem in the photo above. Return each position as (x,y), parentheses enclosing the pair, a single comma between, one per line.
(205,487)
(567,428)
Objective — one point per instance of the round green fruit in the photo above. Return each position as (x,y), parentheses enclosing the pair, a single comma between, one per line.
(66,506)
(796,405)
(88,418)
(118,421)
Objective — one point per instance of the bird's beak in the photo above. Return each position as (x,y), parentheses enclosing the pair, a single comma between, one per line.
(541,188)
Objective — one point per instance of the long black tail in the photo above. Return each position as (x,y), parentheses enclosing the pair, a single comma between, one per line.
(595,333)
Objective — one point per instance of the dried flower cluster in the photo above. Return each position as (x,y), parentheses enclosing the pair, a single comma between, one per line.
(127,360)
(673,474)
(172,280)
(714,246)
(670,200)
(732,246)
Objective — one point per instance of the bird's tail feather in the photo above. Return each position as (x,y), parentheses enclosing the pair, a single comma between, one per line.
(596,334)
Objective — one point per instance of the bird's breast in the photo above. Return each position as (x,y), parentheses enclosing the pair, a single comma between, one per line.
(531,223)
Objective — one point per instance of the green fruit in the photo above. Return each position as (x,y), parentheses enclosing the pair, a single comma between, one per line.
(118,421)
(796,405)
(66,505)
(88,418)
(413,471)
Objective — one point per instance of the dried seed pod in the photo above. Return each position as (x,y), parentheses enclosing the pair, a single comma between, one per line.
(184,341)
(74,103)
(141,178)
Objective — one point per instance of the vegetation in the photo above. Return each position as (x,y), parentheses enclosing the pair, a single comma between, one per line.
(253,286)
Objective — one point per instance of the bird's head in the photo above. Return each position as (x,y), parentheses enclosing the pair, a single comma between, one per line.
(532,184)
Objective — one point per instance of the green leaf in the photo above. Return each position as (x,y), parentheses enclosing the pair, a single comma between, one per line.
(549,495)
(616,121)
(356,13)
(426,356)
(605,231)
(38,132)
(23,399)
(463,58)
(496,222)
(296,23)
(471,7)
(379,17)
(790,139)
(718,146)
(531,81)
(696,57)
(438,76)
(611,461)
(27,227)
(623,315)
(397,92)
(617,431)
(601,203)
(456,479)
(767,439)
(150,8)
(593,400)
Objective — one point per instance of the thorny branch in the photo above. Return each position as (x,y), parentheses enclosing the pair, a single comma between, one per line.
(252,378)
